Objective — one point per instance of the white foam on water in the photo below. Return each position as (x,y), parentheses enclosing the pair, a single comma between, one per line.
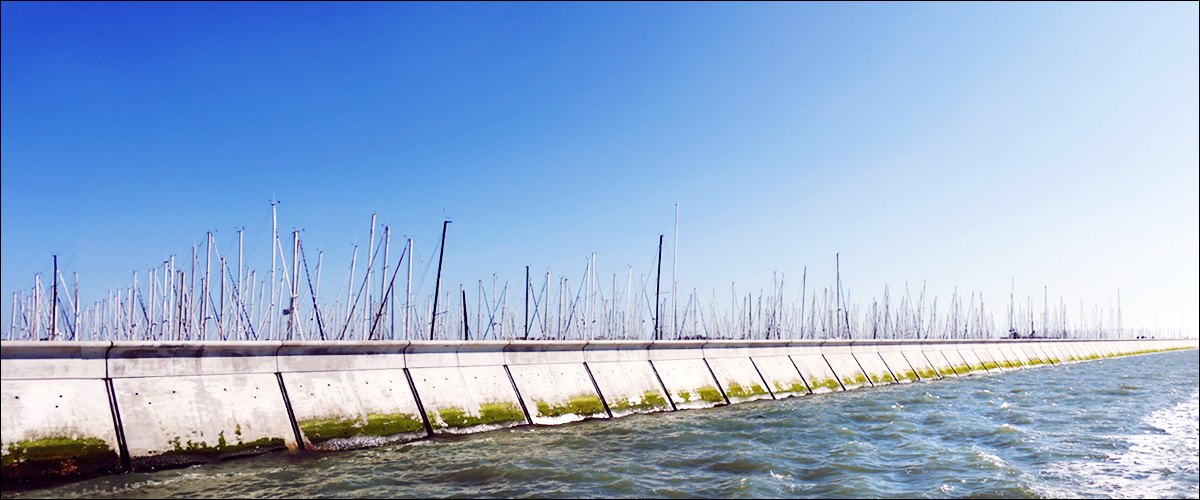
(1144,470)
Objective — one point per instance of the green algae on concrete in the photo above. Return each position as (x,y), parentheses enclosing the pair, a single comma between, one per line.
(222,446)
(827,383)
(796,387)
(930,373)
(489,413)
(711,395)
(651,400)
(582,405)
(57,456)
(708,394)
(739,391)
(879,379)
(376,424)
(909,375)
(858,379)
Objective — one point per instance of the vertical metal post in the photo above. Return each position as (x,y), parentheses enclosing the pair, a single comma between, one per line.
(466,326)
(526,302)
(54,302)
(438,284)
(657,289)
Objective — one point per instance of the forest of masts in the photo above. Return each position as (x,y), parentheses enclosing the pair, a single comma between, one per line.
(217,297)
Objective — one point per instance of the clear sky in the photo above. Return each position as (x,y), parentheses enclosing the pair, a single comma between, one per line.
(960,145)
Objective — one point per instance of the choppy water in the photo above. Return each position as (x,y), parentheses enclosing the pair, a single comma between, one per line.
(1122,427)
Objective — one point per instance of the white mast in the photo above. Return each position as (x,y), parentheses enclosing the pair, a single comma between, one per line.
(408,291)
(674,284)
(274,245)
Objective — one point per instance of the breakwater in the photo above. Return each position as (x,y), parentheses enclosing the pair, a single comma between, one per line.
(96,407)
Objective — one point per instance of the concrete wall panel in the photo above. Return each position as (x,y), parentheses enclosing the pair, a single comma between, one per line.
(184,419)
(920,363)
(467,399)
(689,383)
(337,410)
(843,363)
(557,393)
(971,358)
(898,364)
(629,387)
(1032,356)
(739,378)
(944,361)
(997,357)
(873,365)
(815,370)
(1016,356)
(685,374)
(781,375)
(57,427)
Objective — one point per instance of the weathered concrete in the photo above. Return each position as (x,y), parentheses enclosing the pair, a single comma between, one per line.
(554,382)
(818,375)
(686,375)
(970,357)
(997,358)
(841,360)
(464,387)
(1032,355)
(1015,355)
(778,370)
(921,363)
(1059,352)
(623,372)
(192,402)
(735,372)
(943,357)
(872,364)
(348,395)
(54,410)
(893,356)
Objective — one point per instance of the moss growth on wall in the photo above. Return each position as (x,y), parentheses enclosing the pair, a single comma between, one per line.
(909,375)
(56,456)
(376,424)
(651,400)
(489,413)
(582,405)
(882,379)
(827,383)
(739,391)
(711,395)
(796,386)
(930,373)
(222,446)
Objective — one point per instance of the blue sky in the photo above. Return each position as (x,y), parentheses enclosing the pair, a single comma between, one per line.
(962,145)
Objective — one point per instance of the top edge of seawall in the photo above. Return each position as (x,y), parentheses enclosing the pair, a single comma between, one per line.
(72,346)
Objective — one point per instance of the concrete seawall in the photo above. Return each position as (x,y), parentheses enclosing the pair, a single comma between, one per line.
(86,408)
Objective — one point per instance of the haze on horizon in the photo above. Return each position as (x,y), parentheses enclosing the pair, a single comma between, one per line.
(960,146)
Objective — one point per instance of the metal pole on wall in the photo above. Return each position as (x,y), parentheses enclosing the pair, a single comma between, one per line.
(437,287)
